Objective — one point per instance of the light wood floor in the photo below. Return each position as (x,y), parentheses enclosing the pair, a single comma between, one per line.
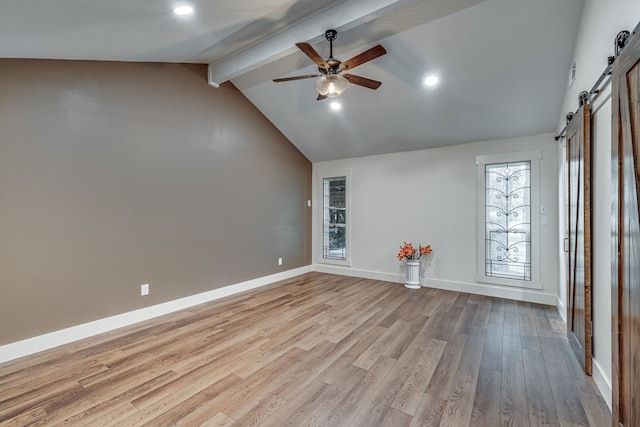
(316,350)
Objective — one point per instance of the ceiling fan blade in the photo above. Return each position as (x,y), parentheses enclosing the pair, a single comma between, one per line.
(306,76)
(308,50)
(321,97)
(365,56)
(362,81)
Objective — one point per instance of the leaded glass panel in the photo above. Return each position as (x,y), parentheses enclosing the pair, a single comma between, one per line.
(508,220)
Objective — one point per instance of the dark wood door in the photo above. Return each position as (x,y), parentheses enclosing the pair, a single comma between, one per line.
(626,233)
(579,221)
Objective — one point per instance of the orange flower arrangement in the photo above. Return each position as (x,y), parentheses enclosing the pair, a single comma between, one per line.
(408,252)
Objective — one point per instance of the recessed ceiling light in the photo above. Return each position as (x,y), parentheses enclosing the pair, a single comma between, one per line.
(431,80)
(335,106)
(183,10)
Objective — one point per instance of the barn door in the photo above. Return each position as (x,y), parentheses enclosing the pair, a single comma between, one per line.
(579,210)
(626,233)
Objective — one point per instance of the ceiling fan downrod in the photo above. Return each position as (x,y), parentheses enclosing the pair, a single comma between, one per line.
(331,35)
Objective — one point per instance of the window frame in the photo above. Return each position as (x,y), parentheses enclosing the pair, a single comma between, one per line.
(320,258)
(534,157)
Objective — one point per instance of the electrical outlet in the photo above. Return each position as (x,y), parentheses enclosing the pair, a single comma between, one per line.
(144,289)
(279,261)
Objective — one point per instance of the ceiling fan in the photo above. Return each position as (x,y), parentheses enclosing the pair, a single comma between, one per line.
(332,82)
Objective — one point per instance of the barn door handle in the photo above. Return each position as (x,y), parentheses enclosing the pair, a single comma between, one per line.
(566,244)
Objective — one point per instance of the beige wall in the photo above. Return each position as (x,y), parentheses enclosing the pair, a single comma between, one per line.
(118,174)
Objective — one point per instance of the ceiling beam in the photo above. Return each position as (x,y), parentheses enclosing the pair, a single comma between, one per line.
(342,17)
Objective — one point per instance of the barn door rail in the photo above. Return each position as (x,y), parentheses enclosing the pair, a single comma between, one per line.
(619,43)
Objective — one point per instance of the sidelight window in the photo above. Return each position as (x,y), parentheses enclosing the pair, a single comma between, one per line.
(335,218)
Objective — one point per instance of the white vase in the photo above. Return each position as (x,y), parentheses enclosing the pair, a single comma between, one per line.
(413,275)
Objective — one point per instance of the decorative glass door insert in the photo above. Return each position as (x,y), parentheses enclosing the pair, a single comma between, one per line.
(508,220)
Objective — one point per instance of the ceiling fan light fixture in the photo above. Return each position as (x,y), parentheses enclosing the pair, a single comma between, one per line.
(331,85)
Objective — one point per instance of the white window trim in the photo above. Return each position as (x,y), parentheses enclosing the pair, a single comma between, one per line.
(320,202)
(534,156)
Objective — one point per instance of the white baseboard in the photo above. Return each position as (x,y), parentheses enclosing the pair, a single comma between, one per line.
(488,290)
(602,382)
(506,292)
(562,310)
(352,272)
(43,342)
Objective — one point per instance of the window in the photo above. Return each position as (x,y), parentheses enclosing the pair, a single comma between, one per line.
(508,205)
(334,229)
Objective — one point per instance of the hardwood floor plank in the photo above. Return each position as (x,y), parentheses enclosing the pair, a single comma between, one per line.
(347,411)
(406,339)
(298,411)
(29,416)
(553,326)
(39,397)
(310,366)
(530,343)
(542,409)
(260,413)
(432,306)
(218,420)
(412,392)
(396,418)
(378,403)
(296,407)
(443,377)
(567,380)
(483,313)
(460,401)
(447,323)
(511,344)
(465,321)
(371,355)
(284,373)
(526,320)
(108,415)
(321,350)
(200,387)
(491,358)
(513,403)
(497,311)
(102,406)
(596,409)
(355,346)
(486,405)
(459,405)
(189,405)
(429,412)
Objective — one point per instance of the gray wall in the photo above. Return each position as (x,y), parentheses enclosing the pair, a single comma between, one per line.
(118,174)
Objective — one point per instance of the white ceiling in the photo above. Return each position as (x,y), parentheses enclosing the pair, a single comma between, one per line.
(503,64)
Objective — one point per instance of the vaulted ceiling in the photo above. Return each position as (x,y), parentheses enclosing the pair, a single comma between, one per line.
(503,64)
